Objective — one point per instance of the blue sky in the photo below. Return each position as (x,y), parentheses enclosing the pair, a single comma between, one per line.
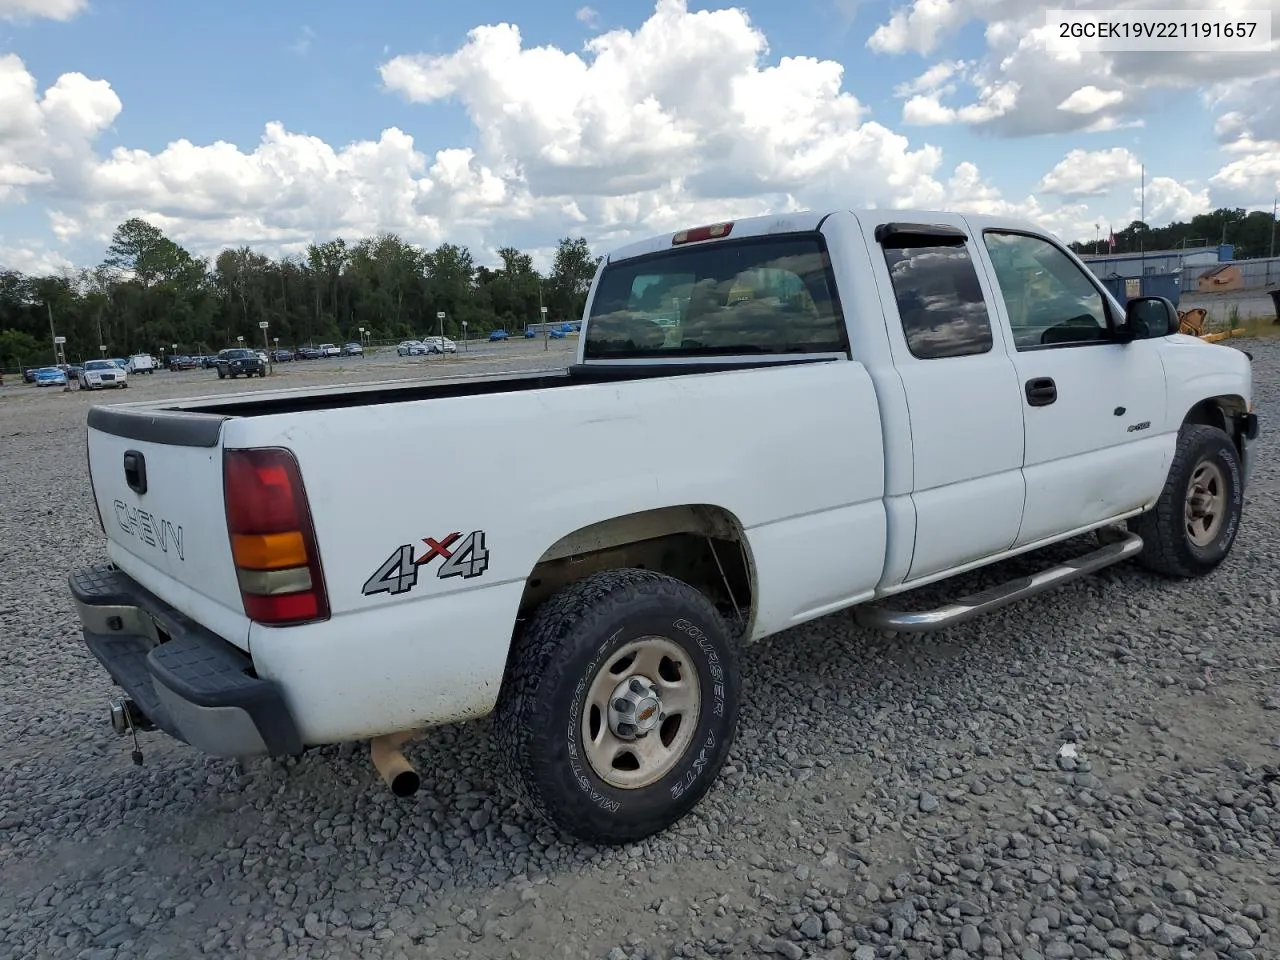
(223,72)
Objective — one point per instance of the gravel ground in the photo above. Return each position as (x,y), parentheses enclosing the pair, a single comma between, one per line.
(887,797)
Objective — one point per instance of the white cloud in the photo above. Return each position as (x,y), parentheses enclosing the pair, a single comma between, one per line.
(926,109)
(639,132)
(650,111)
(933,79)
(1252,181)
(32,257)
(919,27)
(1061,87)
(1084,173)
(588,16)
(1167,199)
(49,9)
(1089,99)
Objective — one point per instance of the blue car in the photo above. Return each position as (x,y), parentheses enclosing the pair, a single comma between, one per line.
(50,377)
(498,335)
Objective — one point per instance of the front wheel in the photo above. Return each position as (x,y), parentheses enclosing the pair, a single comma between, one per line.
(1193,525)
(620,705)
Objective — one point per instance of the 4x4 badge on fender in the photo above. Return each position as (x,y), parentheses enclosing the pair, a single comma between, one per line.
(399,572)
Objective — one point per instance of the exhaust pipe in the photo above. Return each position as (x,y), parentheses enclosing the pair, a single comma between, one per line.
(396,771)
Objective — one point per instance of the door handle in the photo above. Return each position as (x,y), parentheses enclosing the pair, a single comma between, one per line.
(1041,391)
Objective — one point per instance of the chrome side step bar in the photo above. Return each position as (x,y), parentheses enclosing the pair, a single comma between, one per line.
(985,601)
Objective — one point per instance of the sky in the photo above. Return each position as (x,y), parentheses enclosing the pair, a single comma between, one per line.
(501,123)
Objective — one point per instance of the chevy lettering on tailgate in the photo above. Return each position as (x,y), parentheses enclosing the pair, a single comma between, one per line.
(149,529)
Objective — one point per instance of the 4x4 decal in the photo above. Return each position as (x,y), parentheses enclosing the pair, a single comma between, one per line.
(399,572)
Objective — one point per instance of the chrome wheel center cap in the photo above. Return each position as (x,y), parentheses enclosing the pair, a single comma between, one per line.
(635,708)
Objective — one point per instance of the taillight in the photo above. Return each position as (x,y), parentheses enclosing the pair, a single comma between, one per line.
(273,541)
(696,234)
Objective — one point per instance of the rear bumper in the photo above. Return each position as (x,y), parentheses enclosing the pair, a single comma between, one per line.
(191,684)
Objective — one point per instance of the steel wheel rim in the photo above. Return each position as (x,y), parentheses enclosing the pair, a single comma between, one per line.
(1206,503)
(640,761)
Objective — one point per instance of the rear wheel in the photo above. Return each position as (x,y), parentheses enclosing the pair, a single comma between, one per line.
(1193,525)
(620,705)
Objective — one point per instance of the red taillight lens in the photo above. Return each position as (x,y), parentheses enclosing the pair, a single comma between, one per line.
(273,541)
(266,487)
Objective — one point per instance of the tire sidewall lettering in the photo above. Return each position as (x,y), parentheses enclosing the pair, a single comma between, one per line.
(712,680)
(1230,465)
(579,771)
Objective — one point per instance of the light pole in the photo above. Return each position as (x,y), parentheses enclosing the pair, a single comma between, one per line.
(262,325)
(546,340)
(362,341)
(464,335)
(440,317)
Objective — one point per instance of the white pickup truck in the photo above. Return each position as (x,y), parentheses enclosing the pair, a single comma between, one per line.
(767,421)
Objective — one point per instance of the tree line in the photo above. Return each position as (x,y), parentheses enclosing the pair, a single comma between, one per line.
(149,293)
(1252,234)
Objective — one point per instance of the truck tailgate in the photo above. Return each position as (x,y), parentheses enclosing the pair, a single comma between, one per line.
(157,479)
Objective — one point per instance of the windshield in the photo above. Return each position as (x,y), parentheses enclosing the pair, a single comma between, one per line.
(99,365)
(237,354)
(755,296)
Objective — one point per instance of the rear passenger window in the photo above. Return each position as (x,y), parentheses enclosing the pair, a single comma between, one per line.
(940,301)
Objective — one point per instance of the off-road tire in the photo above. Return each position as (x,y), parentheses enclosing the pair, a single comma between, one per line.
(539,711)
(1168,549)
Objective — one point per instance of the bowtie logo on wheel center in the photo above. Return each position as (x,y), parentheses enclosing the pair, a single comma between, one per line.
(635,708)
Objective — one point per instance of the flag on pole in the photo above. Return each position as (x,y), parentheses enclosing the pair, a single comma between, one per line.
(1112,239)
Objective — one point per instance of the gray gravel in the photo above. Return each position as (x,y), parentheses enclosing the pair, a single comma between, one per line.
(887,797)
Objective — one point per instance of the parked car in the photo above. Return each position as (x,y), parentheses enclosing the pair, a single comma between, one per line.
(74,371)
(281,356)
(50,377)
(141,363)
(352,350)
(309,353)
(262,355)
(439,345)
(239,361)
(99,374)
(497,335)
(330,350)
(411,348)
(898,398)
(29,374)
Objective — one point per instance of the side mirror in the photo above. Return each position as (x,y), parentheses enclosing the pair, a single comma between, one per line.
(1148,317)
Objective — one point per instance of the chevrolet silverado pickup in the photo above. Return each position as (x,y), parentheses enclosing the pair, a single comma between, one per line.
(767,421)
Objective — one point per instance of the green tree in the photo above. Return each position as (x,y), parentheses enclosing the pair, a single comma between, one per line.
(571,275)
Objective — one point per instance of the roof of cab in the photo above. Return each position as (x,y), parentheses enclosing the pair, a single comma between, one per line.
(806,220)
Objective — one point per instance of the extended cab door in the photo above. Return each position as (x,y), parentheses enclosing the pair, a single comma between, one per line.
(961,390)
(1093,408)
